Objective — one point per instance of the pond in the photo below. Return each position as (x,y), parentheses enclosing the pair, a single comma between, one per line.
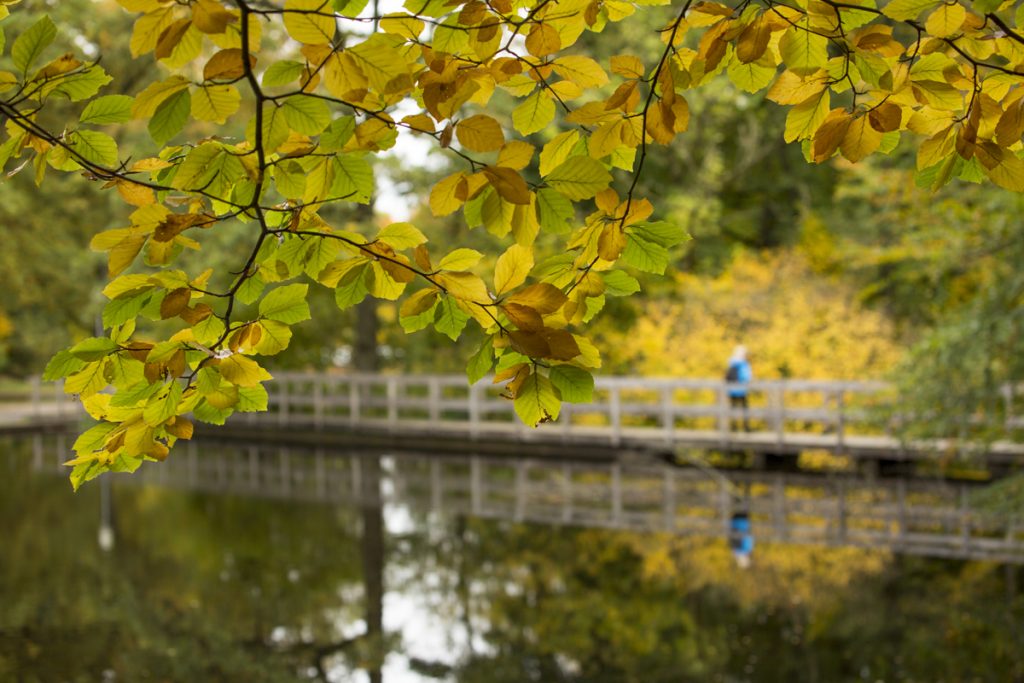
(236,562)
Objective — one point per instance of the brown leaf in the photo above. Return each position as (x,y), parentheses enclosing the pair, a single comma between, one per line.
(562,344)
(886,117)
(532,344)
(175,302)
(227,65)
(170,38)
(509,185)
(523,317)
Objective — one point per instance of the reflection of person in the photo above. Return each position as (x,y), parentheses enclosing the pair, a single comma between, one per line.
(738,375)
(741,540)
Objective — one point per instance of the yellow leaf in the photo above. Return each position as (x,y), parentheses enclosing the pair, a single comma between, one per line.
(418,303)
(147,101)
(210,16)
(557,151)
(516,155)
(460,259)
(444,197)
(242,371)
(512,268)
(310,22)
(465,286)
(792,88)
(534,114)
(480,133)
(946,20)
(543,40)
(861,139)
(804,118)
(215,102)
(583,71)
(830,134)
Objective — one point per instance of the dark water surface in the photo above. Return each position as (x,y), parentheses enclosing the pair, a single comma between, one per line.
(300,577)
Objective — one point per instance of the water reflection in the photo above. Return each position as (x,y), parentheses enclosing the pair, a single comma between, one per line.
(311,565)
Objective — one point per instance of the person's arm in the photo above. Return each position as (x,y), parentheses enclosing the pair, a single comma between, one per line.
(746,373)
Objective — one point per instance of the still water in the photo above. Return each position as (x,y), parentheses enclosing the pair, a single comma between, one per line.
(234,565)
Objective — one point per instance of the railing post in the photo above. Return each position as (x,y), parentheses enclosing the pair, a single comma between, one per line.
(473,398)
(318,404)
(354,399)
(723,412)
(434,398)
(668,420)
(840,421)
(391,387)
(36,389)
(615,413)
(779,393)
(282,403)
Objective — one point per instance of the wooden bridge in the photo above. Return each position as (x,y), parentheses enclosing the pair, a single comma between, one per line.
(921,517)
(786,417)
(442,412)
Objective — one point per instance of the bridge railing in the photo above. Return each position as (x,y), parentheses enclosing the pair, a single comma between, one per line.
(623,408)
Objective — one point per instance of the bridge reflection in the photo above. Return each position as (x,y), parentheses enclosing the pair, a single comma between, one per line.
(914,516)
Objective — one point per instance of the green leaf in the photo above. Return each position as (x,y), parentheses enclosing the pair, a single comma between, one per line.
(554,211)
(208,330)
(351,289)
(575,385)
(579,178)
(61,365)
(108,109)
(30,44)
(353,179)
(451,319)
(79,86)
(534,114)
(252,399)
(401,236)
(121,310)
(250,290)
(94,146)
(274,339)
(286,304)
(337,134)
(902,10)
(282,73)
(419,321)
(93,348)
(619,283)
(481,362)
(92,439)
(306,115)
(665,234)
(170,117)
(162,408)
(649,257)
(537,401)
(460,259)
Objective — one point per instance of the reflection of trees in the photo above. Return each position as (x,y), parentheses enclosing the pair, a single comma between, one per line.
(197,588)
(586,605)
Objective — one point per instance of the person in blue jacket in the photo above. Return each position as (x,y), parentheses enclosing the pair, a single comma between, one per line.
(738,374)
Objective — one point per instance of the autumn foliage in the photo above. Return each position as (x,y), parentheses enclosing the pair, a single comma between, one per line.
(855,76)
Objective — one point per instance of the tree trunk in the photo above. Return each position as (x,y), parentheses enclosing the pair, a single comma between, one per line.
(364,353)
